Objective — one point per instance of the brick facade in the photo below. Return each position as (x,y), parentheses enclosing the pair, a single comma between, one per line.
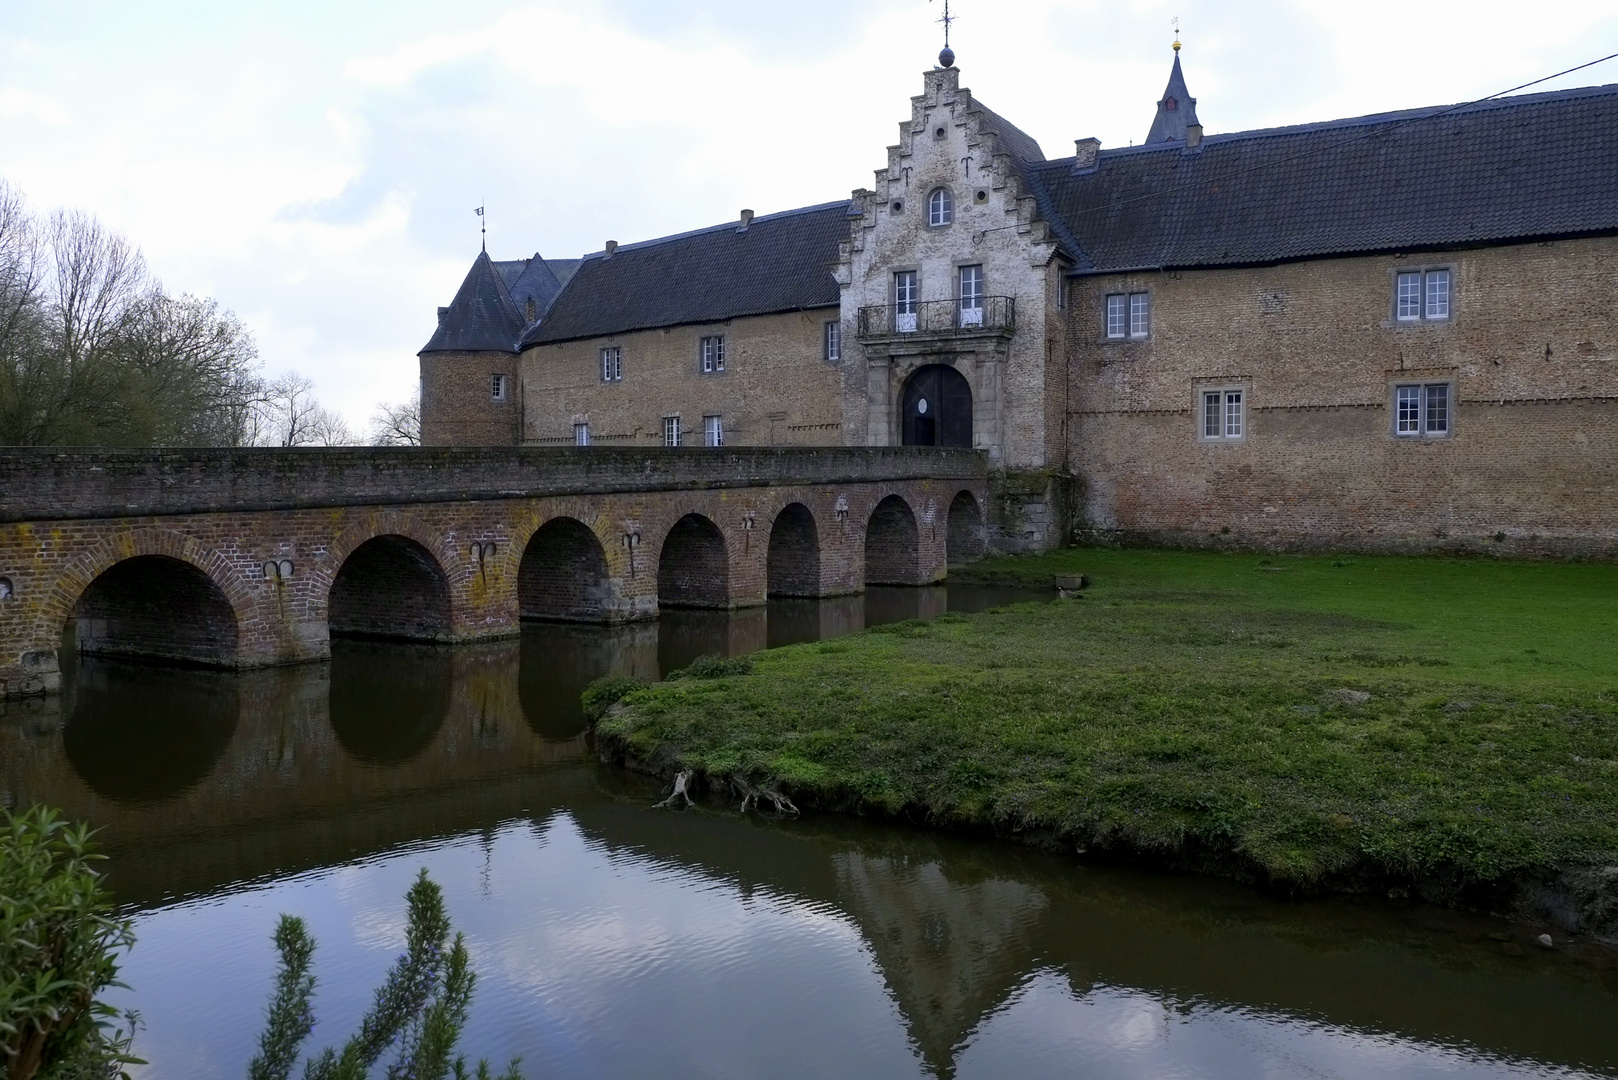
(300,544)
(1530,350)
(458,407)
(775,390)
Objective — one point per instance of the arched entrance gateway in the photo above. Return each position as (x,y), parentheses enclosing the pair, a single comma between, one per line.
(937,408)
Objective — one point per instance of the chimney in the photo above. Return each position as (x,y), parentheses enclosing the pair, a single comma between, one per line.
(1193,136)
(612,246)
(747,219)
(1086,154)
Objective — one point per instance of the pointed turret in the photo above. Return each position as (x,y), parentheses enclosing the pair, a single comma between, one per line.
(483,317)
(1176,112)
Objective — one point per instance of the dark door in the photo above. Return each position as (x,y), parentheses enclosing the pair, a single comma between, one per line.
(937,408)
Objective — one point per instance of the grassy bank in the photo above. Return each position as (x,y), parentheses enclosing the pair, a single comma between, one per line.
(1312,720)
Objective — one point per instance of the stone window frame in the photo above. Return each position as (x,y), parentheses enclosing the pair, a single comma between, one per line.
(711,354)
(1423,419)
(581,433)
(1126,299)
(948,208)
(1206,389)
(1423,273)
(499,386)
(673,435)
(614,372)
(713,430)
(893,296)
(960,294)
(831,341)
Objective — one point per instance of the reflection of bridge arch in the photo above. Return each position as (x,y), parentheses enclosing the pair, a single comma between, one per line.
(892,544)
(563,574)
(693,565)
(387,702)
(150,593)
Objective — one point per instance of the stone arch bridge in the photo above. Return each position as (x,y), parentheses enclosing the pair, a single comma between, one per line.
(253,557)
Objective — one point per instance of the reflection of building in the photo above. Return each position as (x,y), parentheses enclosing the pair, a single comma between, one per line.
(1394,330)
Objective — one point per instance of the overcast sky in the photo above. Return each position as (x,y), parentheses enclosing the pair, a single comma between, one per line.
(315,165)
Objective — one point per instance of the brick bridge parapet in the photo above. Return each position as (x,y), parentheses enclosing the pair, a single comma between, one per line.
(254,557)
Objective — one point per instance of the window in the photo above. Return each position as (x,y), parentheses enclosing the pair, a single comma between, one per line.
(1421,295)
(834,342)
(971,288)
(581,434)
(1129,315)
(940,207)
(1421,410)
(612,364)
(1223,414)
(904,301)
(497,388)
(713,431)
(713,354)
(671,431)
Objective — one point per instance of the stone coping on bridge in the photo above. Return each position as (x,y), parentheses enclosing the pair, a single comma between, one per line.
(78,483)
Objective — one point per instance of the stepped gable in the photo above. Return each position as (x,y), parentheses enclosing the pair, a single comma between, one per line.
(1512,169)
(779,262)
(1176,111)
(482,317)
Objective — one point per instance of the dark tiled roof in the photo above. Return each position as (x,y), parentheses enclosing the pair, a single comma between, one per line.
(1510,169)
(538,284)
(1013,139)
(1175,112)
(781,263)
(482,316)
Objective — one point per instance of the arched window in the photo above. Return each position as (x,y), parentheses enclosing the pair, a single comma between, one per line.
(940,207)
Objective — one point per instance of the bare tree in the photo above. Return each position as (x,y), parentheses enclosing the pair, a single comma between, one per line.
(291,415)
(398,424)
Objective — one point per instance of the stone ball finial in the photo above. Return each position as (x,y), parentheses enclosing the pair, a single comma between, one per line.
(947,57)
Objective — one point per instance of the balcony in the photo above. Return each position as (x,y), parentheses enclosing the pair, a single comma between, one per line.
(938,318)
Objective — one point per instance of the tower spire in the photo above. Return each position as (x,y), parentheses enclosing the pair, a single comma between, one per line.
(1178,109)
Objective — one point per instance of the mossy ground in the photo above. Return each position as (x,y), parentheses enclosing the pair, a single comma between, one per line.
(1192,701)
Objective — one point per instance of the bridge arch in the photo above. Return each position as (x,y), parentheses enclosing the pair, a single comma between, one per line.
(964,542)
(150,593)
(693,566)
(793,560)
(390,586)
(892,544)
(563,574)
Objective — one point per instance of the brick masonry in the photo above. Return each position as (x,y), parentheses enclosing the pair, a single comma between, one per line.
(288,540)
(1531,351)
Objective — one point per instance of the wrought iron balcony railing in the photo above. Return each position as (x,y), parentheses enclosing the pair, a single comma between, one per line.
(935,317)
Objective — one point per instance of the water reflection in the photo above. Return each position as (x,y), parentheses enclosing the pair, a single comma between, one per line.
(727,945)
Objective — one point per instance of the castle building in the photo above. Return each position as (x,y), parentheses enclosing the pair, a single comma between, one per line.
(1396,331)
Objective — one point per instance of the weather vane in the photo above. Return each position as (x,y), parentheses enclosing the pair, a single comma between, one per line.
(1176,22)
(946,58)
(483,226)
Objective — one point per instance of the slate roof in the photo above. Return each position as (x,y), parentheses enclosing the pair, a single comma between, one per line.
(1176,110)
(482,316)
(1515,168)
(781,263)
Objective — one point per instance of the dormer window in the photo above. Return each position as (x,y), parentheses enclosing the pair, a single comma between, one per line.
(1169,104)
(940,207)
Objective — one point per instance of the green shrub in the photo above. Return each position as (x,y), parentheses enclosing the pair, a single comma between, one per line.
(714,666)
(421,1006)
(59,948)
(605,692)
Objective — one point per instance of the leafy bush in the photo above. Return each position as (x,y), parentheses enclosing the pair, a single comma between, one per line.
(58,950)
(714,666)
(421,1006)
(605,692)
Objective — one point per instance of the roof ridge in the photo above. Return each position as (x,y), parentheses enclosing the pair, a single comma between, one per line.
(707,229)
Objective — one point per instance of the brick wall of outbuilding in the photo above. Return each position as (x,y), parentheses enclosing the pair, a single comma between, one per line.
(457,403)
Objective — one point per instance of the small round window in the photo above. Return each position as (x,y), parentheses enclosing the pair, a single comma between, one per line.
(940,207)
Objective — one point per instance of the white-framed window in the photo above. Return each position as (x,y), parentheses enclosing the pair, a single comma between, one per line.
(1129,315)
(581,434)
(971,290)
(833,341)
(1421,295)
(1422,410)
(498,387)
(940,207)
(612,364)
(1224,413)
(713,431)
(713,354)
(671,431)
(905,299)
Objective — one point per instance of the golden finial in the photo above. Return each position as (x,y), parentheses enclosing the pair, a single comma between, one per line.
(1176,22)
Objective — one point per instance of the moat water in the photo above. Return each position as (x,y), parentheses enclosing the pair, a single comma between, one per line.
(614,940)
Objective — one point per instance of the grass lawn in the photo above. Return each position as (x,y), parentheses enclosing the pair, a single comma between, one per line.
(1207,703)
